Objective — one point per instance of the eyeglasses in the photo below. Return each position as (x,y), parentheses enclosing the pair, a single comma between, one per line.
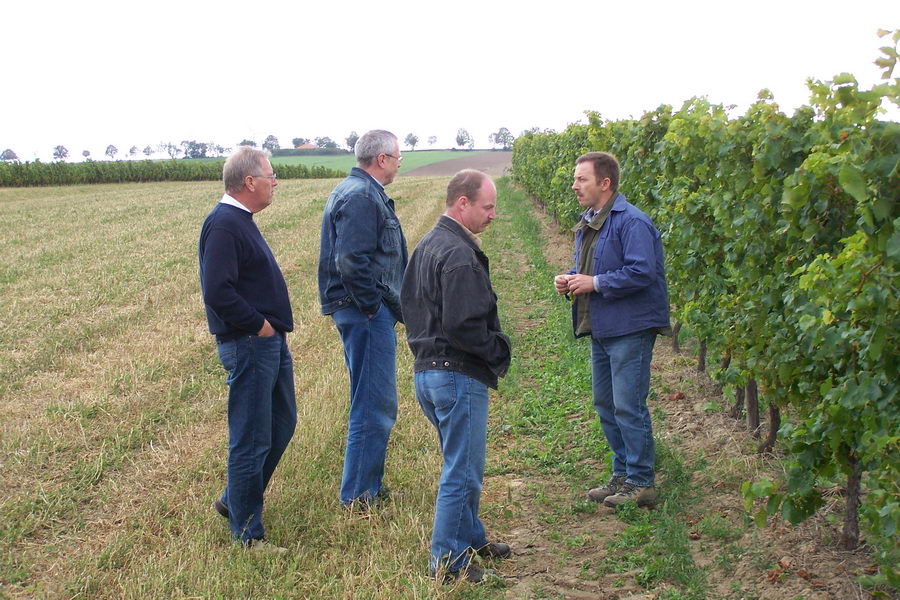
(399,158)
(272,176)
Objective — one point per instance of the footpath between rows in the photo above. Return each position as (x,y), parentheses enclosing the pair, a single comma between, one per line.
(546,449)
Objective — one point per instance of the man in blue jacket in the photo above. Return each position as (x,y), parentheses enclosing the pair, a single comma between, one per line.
(619,284)
(453,331)
(361,262)
(249,312)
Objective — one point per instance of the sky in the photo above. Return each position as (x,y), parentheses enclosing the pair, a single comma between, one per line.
(92,73)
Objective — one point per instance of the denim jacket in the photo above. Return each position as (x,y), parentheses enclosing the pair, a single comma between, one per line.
(629,274)
(451,309)
(363,252)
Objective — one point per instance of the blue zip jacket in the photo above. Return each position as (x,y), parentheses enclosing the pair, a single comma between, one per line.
(363,252)
(629,272)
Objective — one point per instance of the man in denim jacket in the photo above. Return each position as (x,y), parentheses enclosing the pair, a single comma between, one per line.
(619,283)
(361,262)
(460,351)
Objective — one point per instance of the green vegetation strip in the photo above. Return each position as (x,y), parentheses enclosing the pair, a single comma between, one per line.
(61,173)
(547,420)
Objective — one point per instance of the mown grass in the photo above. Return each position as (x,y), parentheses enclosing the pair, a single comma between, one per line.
(411,160)
(112,434)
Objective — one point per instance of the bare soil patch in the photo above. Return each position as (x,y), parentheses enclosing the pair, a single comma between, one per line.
(494,163)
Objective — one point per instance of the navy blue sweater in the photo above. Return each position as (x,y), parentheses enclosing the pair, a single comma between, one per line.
(242,284)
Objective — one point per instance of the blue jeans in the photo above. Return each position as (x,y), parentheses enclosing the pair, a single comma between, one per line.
(458,407)
(262,414)
(370,350)
(621,382)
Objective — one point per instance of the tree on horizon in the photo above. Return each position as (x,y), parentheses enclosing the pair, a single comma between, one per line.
(502,137)
(326,143)
(271,144)
(351,140)
(464,139)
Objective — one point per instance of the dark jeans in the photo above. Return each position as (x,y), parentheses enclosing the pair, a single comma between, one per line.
(262,414)
(370,350)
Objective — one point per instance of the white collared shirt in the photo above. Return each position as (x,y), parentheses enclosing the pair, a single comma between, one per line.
(226,199)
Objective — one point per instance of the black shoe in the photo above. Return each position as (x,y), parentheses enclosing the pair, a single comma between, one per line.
(472,574)
(495,550)
(363,504)
(220,507)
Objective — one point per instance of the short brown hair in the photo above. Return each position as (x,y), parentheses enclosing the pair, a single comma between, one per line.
(465,183)
(605,165)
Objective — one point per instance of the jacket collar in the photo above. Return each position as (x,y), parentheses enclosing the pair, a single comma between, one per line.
(358,172)
(618,206)
(455,227)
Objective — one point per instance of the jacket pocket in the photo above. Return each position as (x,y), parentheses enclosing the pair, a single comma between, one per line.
(390,233)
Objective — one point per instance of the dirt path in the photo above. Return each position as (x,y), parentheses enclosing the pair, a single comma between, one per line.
(494,163)
(560,553)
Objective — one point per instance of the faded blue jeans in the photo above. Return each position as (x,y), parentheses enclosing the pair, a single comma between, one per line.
(370,351)
(262,414)
(457,406)
(621,382)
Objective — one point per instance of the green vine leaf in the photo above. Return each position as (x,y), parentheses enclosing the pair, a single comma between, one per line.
(853,182)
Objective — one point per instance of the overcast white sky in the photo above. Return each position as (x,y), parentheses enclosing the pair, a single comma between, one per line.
(92,73)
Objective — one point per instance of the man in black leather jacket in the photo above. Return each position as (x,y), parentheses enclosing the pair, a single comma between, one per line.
(460,351)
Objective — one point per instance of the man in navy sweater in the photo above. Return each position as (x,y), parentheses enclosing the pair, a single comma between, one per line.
(249,312)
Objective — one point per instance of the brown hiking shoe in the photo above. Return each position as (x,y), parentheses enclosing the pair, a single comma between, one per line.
(472,573)
(495,550)
(601,493)
(644,496)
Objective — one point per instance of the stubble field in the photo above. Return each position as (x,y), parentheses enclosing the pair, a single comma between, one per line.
(112,435)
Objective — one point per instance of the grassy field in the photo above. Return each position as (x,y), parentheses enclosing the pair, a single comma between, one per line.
(411,160)
(112,433)
(113,436)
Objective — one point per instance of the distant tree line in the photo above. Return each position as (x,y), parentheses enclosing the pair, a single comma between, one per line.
(322,145)
(16,174)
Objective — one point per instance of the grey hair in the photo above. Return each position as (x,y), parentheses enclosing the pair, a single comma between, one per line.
(245,161)
(373,143)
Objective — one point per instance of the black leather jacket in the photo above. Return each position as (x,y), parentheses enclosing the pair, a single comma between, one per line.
(450,307)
